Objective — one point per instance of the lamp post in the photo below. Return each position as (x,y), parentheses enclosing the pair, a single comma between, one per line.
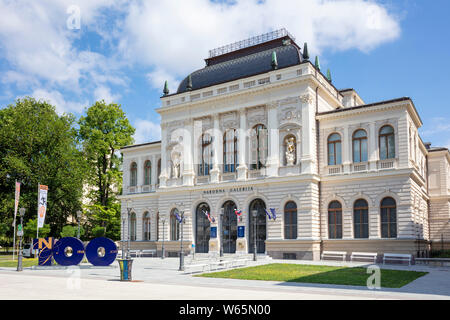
(78,220)
(20,234)
(123,238)
(222,210)
(254,214)
(183,219)
(129,209)
(163,220)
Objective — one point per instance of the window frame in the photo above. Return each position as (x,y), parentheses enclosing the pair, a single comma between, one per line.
(293,225)
(385,137)
(335,211)
(360,140)
(387,224)
(362,210)
(334,143)
(230,167)
(133,174)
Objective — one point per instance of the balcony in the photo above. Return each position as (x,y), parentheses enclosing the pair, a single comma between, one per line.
(336,169)
(360,167)
(386,164)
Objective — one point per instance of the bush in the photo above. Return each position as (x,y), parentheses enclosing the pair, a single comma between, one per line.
(98,232)
(68,231)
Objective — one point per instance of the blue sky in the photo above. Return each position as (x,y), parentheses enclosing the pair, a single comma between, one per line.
(124,50)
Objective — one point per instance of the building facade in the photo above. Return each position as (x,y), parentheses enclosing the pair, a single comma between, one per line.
(259,150)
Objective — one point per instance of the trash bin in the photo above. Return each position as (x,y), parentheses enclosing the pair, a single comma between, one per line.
(125,269)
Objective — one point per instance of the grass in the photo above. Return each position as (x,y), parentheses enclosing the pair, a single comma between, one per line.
(317,274)
(8,262)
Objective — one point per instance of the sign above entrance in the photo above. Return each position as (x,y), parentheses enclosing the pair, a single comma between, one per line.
(230,190)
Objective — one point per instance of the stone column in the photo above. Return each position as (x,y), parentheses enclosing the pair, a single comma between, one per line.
(164,170)
(241,243)
(242,169)
(308,134)
(273,159)
(140,175)
(346,151)
(154,172)
(217,150)
(188,150)
(372,148)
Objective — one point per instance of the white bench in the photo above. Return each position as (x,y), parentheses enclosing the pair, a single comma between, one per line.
(397,257)
(364,255)
(240,262)
(137,253)
(334,254)
(151,252)
(201,266)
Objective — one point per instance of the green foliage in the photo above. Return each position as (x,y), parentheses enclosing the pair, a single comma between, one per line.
(39,146)
(68,231)
(29,230)
(98,232)
(103,131)
(107,218)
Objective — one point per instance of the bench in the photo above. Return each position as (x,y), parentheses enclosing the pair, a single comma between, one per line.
(151,252)
(202,266)
(137,253)
(398,257)
(334,254)
(364,255)
(240,262)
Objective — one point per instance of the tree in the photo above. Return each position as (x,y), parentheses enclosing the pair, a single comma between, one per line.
(29,230)
(103,131)
(39,146)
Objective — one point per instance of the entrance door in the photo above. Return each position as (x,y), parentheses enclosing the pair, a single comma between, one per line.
(229,227)
(202,229)
(259,206)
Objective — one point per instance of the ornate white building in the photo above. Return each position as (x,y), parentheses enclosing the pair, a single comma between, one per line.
(260,128)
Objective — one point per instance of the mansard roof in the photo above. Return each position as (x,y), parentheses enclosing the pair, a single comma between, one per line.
(244,63)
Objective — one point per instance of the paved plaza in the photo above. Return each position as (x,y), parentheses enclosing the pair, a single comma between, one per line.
(155,278)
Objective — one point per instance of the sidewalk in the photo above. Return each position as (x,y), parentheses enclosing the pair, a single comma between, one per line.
(160,279)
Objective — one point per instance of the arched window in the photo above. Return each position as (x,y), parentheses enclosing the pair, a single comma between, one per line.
(334,149)
(205,165)
(174,225)
(133,227)
(158,171)
(230,151)
(388,210)
(259,142)
(361,219)
(133,174)
(335,220)
(147,173)
(202,228)
(387,143)
(290,220)
(360,146)
(290,150)
(146,226)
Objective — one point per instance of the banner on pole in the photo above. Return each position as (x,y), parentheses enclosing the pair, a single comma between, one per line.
(16,202)
(42,205)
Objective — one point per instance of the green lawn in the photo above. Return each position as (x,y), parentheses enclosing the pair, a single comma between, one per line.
(8,262)
(317,274)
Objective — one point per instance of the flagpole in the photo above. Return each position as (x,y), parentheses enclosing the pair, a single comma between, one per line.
(37,217)
(14,223)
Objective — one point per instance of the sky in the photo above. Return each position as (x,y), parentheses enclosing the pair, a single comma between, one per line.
(75,52)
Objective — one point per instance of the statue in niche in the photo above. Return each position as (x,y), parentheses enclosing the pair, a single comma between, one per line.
(290,151)
(176,165)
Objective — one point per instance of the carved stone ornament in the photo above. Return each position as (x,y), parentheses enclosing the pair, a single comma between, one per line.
(307,98)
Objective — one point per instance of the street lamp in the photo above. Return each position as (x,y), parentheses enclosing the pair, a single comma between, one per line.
(20,234)
(221,231)
(78,219)
(123,237)
(254,214)
(163,220)
(183,220)
(129,209)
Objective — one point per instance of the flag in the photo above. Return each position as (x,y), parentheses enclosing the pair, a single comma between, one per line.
(42,205)
(268,214)
(238,213)
(17,196)
(274,214)
(208,215)
(178,217)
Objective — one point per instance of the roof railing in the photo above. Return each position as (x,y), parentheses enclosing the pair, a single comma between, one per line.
(250,42)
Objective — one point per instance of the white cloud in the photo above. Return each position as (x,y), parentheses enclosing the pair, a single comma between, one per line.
(146,131)
(104,93)
(56,98)
(158,77)
(174,36)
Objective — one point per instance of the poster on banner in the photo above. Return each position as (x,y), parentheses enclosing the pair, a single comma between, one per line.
(16,202)
(42,205)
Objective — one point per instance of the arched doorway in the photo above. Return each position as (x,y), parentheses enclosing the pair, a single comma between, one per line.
(202,228)
(229,227)
(260,207)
